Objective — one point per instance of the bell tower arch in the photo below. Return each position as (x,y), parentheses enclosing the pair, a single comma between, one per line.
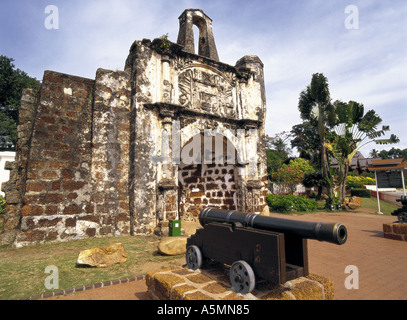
(197,17)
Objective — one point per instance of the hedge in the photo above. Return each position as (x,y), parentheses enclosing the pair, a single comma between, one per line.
(359,182)
(287,203)
(362,193)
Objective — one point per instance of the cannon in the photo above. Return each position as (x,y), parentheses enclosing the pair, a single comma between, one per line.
(401,213)
(257,248)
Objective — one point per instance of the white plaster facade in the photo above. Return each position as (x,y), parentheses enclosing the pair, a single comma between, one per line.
(5,174)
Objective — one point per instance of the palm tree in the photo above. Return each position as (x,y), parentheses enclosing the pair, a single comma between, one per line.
(315,107)
(353,130)
(374,153)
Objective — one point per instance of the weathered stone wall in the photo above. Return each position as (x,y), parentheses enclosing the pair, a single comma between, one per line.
(57,198)
(110,153)
(107,157)
(213,284)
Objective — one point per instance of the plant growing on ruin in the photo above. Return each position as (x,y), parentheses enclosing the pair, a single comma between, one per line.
(165,43)
(2,205)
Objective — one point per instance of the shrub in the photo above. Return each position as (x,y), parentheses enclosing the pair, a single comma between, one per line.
(2,204)
(362,193)
(288,176)
(287,203)
(359,182)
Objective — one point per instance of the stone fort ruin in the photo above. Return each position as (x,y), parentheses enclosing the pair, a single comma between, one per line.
(173,132)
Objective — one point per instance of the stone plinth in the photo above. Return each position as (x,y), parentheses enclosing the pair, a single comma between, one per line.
(395,231)
(213,284)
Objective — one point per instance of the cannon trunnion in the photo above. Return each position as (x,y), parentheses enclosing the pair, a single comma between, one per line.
(257,247)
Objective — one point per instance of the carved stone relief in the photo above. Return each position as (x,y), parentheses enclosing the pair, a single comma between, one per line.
(205,90)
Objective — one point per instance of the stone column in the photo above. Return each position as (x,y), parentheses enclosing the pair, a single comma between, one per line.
(166,151)
(167,196)
(166,89)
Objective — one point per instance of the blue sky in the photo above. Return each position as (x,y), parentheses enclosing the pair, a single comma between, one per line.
(293,38)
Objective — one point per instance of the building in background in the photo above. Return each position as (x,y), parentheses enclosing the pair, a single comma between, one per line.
(5,156)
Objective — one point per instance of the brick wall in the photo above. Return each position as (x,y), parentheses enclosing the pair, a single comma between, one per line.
(207,185)
(57,160)
(395,231)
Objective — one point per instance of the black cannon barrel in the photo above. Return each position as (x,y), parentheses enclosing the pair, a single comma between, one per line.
(330,232)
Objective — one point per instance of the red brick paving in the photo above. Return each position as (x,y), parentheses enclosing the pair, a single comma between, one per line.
(382,263)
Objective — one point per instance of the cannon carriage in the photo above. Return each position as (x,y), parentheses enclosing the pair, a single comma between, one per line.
(257,247)
(401,213)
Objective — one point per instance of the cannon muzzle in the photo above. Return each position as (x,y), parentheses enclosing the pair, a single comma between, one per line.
(330,232)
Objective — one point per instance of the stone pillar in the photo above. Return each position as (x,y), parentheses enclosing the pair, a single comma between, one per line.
(251,69)
(166,89)
(166,151)
(111,152)
(167,197)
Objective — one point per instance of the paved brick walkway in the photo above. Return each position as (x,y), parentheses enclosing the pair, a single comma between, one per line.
(382,263)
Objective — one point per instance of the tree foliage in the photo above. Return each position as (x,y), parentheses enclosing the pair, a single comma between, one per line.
(393,153)
(12,83)
(292,174)
(277,151)
(317,113)
(353,130)
(336,129)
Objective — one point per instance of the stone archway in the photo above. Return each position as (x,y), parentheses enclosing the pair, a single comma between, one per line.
(210,182)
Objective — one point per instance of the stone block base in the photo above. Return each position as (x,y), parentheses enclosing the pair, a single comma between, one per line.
(213,284)
(395,231)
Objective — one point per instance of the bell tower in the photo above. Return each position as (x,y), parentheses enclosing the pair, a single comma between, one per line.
(207,47)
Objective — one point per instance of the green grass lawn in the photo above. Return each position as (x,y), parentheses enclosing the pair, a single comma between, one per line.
(371,205)
(385,207)
(368,204)
(22,271)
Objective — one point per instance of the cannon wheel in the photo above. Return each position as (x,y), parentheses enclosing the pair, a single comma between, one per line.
(402,216)
(242,277)
(193,257)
